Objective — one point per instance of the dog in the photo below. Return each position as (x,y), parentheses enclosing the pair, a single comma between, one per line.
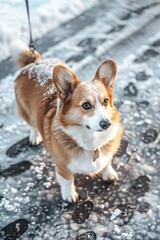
(77,121)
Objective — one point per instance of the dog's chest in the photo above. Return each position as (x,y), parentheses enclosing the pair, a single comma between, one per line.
(91,140)
(86,162)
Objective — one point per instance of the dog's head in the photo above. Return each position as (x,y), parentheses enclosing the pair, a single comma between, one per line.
(87,104)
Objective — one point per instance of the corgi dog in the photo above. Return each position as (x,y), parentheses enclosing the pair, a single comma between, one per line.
(77,121)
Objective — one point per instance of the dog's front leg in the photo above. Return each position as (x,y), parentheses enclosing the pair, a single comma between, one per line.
(109,173)
(66,182)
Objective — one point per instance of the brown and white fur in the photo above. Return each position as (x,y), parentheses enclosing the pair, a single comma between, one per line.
(77,121)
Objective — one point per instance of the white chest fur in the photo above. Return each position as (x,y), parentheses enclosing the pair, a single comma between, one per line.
(84,163)
(90,140)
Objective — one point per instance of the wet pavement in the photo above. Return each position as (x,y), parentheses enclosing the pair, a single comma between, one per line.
(30,200)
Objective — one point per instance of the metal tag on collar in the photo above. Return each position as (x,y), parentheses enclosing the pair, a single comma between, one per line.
(95,154)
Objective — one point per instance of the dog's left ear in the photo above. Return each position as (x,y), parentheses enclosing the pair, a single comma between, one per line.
(106,73)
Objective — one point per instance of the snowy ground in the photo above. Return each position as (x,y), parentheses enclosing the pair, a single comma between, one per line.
(45,15)
(127,31)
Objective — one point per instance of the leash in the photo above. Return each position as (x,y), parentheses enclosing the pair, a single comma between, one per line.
(31,43)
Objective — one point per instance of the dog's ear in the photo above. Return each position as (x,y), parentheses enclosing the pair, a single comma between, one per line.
(64,79)
(106,73)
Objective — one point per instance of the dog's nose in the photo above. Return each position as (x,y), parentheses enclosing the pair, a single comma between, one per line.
(105,124)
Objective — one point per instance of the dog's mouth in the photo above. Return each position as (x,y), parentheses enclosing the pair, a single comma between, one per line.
(101,130)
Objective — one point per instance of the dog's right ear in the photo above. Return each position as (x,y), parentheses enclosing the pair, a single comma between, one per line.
(65,80)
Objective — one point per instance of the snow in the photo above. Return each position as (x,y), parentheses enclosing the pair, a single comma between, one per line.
(115,214)
(42,71)
(36,186)
(45,16)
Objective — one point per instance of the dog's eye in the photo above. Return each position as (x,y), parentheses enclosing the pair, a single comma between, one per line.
(86,105)
(105,103)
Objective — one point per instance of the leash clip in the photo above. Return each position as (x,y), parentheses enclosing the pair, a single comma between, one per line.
(31,44)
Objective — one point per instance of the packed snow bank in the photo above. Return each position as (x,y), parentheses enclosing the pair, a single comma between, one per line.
(45,15)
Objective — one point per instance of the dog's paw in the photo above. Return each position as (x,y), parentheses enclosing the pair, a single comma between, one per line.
(70,196)
(68,190)
(109,173)
(35,137)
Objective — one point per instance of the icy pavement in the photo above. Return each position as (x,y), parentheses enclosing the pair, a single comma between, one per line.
(30,201)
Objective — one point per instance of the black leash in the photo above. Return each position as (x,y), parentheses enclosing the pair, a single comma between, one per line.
(31,43)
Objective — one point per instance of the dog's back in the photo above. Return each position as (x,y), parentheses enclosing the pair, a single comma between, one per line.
(35,92)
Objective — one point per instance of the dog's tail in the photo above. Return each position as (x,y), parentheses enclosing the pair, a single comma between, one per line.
(26,57)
